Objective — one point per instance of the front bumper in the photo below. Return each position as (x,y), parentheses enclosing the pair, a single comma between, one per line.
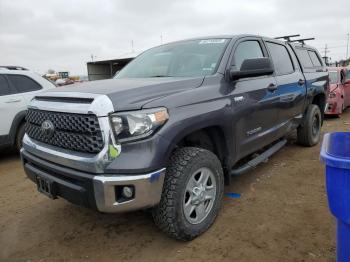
(100,192)
(333,107)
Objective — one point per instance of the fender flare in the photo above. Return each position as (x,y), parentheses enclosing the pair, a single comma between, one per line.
(17,121)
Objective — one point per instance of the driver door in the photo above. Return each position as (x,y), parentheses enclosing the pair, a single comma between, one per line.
(253,103)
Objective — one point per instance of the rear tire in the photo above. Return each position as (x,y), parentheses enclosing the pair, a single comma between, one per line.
(19,137)
(192,194)
(309,132)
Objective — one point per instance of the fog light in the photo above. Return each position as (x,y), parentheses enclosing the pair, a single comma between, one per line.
(128,192)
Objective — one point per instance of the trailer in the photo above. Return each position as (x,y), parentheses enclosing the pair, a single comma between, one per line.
(105,69)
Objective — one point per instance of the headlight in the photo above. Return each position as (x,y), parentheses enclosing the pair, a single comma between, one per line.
(332,95)
(137,124)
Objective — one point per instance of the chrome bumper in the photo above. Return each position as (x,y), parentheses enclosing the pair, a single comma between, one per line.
(148,191)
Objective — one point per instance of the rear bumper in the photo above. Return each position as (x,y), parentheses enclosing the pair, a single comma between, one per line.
(100,192)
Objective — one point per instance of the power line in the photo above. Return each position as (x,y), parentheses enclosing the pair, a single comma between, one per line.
(332,47)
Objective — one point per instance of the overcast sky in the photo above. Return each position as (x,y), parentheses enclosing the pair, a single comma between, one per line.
(62,34)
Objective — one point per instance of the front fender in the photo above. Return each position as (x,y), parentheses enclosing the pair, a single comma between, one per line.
(154,152)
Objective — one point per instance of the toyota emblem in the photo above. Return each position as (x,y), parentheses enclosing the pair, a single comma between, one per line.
(47,128)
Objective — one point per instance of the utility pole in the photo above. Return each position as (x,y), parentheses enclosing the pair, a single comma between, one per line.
(161,39)
(347,48)
(325,55)
(132,46)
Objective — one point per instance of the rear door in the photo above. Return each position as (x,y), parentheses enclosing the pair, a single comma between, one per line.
(254,106)
(25,85)
(11,102)
(315,73)
(290,80)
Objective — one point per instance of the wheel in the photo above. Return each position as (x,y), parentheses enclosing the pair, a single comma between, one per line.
(192,193)
(309,132)
(19,137)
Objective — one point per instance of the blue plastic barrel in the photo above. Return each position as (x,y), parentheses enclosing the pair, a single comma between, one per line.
(335,153)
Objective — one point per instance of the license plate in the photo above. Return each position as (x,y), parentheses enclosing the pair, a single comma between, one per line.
(46,187)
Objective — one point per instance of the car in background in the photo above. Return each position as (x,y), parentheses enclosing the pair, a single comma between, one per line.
(339,91)
(64,82)
(17,87)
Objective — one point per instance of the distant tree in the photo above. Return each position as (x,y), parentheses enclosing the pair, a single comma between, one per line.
(50,71)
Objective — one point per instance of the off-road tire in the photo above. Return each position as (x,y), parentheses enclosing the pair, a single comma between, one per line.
(306,134)
(19,137)
(168,214)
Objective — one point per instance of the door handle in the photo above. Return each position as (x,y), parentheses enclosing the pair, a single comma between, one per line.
(272,87)
(301,82)
(13,100)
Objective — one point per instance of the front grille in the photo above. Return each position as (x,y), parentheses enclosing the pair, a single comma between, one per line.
(76,132)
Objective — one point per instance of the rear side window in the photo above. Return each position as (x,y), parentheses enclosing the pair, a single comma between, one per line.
(333,77)
(314,58)
(304,58)
(247,50)
(23,83)
(281,59)
(4,87)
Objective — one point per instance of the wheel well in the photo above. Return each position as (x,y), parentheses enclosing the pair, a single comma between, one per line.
(17,122)
(320,101)
(209,138)
(22,122)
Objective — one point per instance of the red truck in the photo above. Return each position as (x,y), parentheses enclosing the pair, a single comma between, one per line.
(339,90)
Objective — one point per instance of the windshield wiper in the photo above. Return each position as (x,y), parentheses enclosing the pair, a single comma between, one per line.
(160,76)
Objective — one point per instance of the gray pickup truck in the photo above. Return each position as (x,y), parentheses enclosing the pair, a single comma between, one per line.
(174,125)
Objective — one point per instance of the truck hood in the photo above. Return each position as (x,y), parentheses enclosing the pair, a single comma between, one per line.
(132,94)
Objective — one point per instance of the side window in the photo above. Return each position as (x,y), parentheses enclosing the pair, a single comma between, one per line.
(347,75)
(314,58)
(304,58)
(281,59)
(342,77)
(23,83)
(5,89)
(247,50)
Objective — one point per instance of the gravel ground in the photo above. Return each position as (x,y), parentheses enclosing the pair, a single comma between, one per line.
(282,215)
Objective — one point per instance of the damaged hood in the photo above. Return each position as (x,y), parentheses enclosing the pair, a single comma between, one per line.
(132,94)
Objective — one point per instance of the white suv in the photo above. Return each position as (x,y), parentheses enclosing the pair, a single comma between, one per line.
(17,87)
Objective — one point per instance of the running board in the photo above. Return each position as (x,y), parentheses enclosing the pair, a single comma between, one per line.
(260,158)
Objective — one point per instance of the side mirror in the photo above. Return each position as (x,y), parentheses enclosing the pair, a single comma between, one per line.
(253,67)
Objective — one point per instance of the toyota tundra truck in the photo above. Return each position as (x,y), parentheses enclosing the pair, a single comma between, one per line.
(173,126)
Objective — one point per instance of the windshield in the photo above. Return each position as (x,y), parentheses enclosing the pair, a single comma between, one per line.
(333,77)
(182,59)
